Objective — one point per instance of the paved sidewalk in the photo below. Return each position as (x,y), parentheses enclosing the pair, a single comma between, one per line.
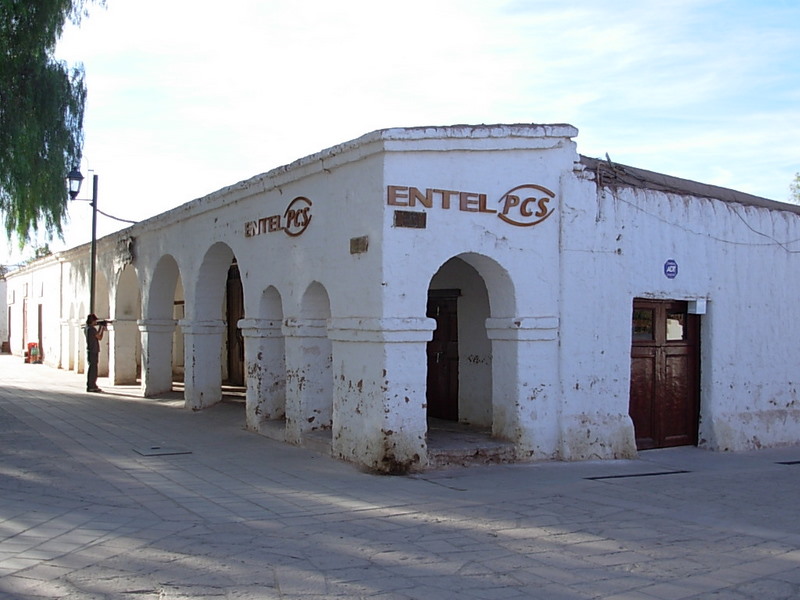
(90,510)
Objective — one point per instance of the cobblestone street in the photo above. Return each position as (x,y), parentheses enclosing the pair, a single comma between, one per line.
(115,496)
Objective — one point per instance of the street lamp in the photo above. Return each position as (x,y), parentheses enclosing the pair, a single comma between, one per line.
(75,178)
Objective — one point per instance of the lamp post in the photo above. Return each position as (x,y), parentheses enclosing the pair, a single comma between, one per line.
(75,179)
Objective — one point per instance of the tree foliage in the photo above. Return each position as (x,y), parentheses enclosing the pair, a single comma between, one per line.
(794,189)
(41,115)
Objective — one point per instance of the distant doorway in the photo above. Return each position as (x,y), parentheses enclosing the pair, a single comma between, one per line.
(235,312)
(665,374)
(442,390)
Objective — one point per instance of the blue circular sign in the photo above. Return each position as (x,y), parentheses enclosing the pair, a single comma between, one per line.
(671,269)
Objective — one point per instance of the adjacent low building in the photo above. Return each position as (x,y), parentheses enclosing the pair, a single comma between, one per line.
(487,275)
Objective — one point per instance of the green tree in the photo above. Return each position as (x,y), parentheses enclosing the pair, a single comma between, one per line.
(41,114)
(794,189)
(39,252)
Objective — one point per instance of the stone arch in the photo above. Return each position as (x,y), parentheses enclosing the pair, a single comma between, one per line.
(266,366)
(161,293)
(125,345)
(128,295)
(315,303)
(309,358)
(101,296)
(208,300)
(468,373)
(69,329)
(80,338)
(270,306)
(211,329)
(162,342)
(499,285)
(315,309)
(102,310)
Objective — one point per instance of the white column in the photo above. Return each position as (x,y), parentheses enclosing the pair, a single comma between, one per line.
(105,355)
(156,356)
(123,348)
(309,400)
(380,409)
(265,371)
(203,362)
(67,344)
(525,384)
(79,343)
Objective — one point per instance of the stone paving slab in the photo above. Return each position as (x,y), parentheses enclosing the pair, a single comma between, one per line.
(83,515)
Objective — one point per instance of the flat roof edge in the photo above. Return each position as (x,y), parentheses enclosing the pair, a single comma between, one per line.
(393,134)
(360,148)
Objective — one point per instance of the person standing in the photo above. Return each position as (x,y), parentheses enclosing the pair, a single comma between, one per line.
(93,336)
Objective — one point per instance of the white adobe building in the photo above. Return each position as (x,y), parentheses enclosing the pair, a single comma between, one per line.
(489,275)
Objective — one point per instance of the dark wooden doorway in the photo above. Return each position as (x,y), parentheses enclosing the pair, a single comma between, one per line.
(235,339)
(665,374)
(442,391)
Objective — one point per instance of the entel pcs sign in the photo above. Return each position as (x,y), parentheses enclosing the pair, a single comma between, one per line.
(522,206)
(294,221)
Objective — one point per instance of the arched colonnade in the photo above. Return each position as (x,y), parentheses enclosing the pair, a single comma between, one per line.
(372,384)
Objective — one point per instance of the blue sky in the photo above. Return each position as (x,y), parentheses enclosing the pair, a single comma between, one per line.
(189,96)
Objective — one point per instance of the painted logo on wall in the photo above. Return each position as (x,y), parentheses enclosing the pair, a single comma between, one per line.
(522,206)
(526,205)
(293,222)
(671,269)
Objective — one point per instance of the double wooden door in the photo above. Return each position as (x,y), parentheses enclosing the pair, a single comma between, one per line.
(665,374)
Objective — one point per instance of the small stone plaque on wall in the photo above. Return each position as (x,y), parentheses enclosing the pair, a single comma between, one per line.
(410,219)
(359,245)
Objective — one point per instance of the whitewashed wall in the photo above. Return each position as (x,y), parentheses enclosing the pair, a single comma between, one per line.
(741,259)
(29,289)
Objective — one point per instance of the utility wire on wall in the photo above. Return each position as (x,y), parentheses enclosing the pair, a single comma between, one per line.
(105,214)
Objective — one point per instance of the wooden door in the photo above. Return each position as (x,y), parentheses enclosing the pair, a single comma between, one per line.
(235,340)
(442,391)
(665,374)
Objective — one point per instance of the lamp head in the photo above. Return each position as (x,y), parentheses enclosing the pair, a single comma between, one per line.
(74,180)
